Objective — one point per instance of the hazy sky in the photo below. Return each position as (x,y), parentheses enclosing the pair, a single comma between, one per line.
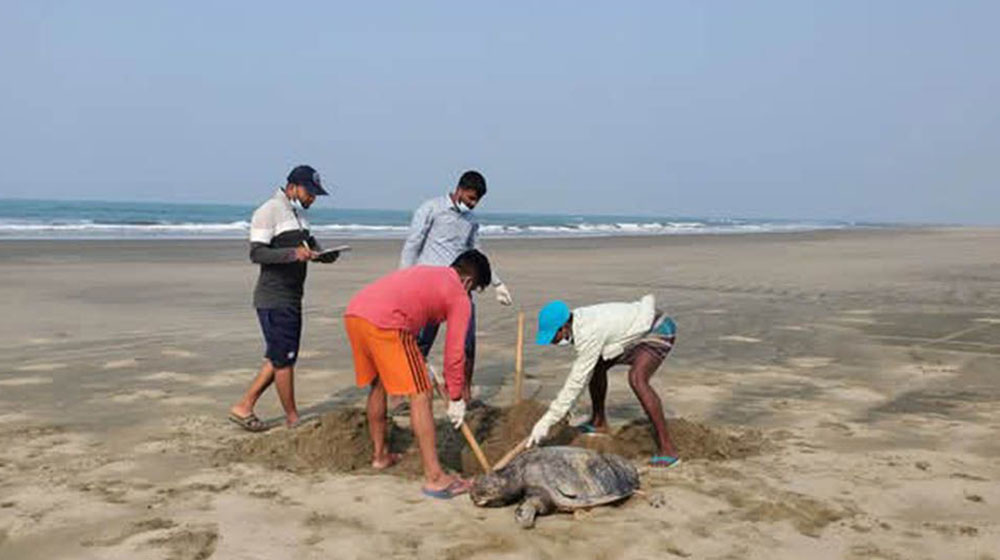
(834,109)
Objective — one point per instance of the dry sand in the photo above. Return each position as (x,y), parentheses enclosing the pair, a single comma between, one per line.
(834,394)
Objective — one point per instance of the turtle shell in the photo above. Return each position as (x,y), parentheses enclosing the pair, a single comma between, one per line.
(574,477)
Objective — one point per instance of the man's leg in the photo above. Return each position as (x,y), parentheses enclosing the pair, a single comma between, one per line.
(422,421)
(598,395)
(285,384)
(244,407)
(643,366)
(470,356)
(378,426)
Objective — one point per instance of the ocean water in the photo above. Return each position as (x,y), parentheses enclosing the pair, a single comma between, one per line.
(36,219)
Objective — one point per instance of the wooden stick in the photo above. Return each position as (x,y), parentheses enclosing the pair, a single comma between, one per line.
(519,360)
(480,456)
(466,431)
(511,455)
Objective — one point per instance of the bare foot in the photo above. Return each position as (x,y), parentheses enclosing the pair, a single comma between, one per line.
(240,411)
(446,481)
(389,460)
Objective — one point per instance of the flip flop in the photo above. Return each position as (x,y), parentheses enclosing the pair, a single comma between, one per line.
(456,488)
(664,461)
(590,429)
(249,423)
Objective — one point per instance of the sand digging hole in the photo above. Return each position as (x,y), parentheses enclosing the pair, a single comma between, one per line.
(339,441)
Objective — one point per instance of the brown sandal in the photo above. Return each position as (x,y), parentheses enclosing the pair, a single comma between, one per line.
(249,423)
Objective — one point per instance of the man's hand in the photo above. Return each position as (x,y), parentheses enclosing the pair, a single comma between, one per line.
(538,433)
(503,295)
(327,258)
(456,413)
(303,253)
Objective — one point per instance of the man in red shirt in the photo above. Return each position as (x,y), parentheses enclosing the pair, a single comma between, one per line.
(382,321)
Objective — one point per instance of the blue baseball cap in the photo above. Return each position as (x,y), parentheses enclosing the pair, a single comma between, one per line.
(307,177)
(551,318)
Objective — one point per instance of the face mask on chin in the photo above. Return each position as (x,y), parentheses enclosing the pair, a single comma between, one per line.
(462,207)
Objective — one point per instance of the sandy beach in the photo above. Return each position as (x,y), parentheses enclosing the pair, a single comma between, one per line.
(865,360)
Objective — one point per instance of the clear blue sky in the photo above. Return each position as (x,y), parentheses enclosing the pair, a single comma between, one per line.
(885,110)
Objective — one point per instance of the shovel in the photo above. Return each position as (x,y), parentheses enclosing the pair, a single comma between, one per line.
(469,438)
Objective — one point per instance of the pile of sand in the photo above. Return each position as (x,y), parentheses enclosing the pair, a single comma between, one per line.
(339,441)
(693,440)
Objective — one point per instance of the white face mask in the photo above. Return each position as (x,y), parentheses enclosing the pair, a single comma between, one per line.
(297,204)
(461,207)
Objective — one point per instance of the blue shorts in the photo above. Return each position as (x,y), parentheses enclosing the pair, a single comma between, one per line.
(426,336)
(282,328)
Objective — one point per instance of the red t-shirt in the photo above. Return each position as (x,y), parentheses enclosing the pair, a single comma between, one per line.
(409,299)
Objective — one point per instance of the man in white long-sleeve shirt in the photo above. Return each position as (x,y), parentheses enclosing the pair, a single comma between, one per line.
(605,335)
(442,229)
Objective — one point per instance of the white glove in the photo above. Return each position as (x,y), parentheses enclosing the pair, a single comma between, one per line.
(538,433)
(456,412)
(503,295)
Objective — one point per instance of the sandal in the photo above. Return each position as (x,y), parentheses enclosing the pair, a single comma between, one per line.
(664,461)
(249,423)
(456,488)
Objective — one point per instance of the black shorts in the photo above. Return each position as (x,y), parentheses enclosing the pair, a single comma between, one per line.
(282,328)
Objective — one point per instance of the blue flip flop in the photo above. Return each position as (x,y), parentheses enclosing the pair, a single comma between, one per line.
(456,488)
(586,428)
(664,461)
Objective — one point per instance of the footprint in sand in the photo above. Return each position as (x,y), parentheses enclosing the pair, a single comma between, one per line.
(810,361)
(118,364)
(12,417)
(188,400)
(796,328)
(178,353)
(739,338)
(169,376)
(142,394)
(713,311)
(42,367)
(22,381)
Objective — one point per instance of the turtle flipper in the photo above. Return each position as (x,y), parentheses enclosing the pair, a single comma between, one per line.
(527,511)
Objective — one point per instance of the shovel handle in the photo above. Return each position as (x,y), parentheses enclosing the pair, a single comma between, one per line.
(466,431)
(511,454)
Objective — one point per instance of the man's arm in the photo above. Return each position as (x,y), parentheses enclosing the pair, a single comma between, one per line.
(261,233)
(477,245)
(588,353)
(417,236)
(459,314)
(261,253)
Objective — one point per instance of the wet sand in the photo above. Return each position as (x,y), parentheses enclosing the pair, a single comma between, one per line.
(868,360)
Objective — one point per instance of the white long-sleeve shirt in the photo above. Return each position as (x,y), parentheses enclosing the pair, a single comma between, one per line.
(439,233)
(600,331)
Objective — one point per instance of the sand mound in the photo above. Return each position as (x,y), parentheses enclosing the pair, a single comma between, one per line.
(339,441)
(635,440)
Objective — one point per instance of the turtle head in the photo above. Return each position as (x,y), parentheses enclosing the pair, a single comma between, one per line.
(490,490)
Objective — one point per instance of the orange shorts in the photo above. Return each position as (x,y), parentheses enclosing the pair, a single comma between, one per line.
(389,355)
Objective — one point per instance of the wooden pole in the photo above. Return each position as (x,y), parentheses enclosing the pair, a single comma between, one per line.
(466,431)
(510,455)
(519,360)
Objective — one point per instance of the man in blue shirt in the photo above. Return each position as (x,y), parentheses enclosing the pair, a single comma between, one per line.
(442,229)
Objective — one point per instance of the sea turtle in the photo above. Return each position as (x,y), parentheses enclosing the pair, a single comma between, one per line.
(557,478)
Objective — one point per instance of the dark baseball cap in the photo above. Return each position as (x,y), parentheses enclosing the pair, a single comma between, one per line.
(307,177)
